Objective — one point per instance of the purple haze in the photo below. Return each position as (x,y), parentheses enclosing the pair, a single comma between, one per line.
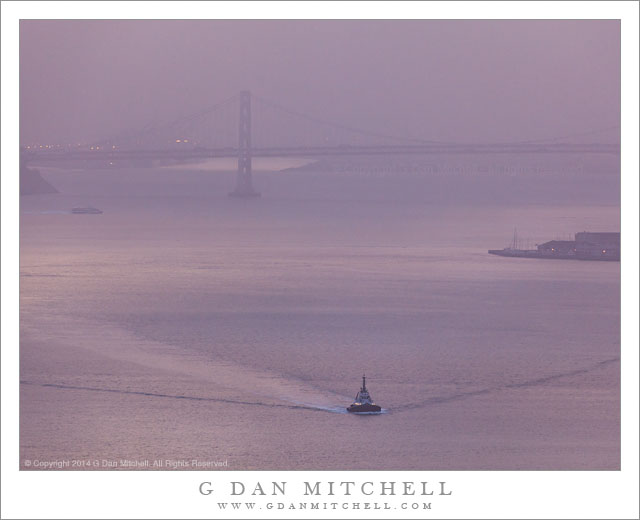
(182,323)
(443,80)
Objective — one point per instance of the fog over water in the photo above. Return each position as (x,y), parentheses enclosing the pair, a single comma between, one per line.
(182,323)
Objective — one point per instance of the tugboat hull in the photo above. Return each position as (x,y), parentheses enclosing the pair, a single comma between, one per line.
(364,408)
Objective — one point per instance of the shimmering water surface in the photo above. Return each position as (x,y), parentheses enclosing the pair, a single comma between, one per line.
(182,324)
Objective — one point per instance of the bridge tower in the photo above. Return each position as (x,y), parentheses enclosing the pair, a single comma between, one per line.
(244,186)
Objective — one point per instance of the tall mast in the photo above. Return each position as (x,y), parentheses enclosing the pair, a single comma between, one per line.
(364,387)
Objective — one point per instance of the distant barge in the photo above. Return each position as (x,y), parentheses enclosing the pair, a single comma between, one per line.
(586,246)
(89,210)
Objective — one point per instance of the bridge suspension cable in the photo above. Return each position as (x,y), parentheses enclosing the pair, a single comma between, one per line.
(415,140)
(151,129)
(203,112)
(215,127)
(568,136)
(341,126)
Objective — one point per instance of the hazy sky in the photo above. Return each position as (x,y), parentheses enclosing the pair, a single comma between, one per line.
(446,80)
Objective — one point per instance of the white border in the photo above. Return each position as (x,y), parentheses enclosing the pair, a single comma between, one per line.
(174,495)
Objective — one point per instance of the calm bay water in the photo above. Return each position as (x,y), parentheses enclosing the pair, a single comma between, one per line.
(182,324)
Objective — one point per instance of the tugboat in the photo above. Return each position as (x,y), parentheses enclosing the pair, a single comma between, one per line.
(89,210)
(363,402)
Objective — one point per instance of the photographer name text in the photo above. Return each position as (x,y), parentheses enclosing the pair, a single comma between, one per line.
(329,488)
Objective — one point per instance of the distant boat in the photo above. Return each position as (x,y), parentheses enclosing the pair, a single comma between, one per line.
(87,211)
(363,402)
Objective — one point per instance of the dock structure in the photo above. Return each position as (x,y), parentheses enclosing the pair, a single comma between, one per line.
(586,246)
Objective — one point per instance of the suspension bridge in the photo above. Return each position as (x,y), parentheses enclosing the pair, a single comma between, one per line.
(246,127)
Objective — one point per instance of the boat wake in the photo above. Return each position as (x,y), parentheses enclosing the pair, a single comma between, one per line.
(185,397)
(237,382)
(51,212)
(522,384)
(330,409)
(299,406)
